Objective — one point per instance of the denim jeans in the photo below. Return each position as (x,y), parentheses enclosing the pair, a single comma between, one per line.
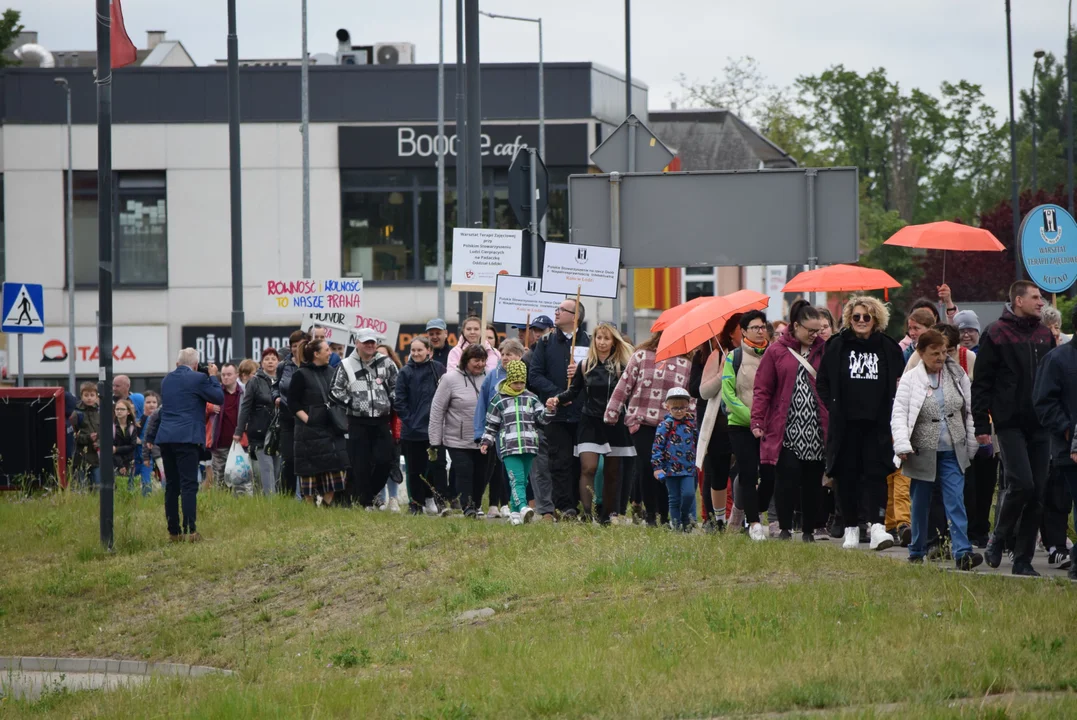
(952,482)
(682,499)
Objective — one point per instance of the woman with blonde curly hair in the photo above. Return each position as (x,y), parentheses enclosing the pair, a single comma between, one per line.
(857,381)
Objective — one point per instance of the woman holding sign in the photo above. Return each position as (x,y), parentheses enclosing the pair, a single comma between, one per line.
(471,334)
(592,385)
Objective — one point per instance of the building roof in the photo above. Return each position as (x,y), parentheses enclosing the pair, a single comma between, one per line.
(716,139)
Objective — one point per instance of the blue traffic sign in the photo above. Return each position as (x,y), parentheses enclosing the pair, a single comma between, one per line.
(24,309)
(1049,247)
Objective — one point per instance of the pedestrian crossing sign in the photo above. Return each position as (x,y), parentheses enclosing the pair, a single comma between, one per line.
(24,309)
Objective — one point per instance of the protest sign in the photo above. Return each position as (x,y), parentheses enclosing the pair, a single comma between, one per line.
(518,300)
(479,256)
(319,296)
(589,270)
(339,326)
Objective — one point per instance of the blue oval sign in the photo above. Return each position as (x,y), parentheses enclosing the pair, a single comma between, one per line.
(1049,247)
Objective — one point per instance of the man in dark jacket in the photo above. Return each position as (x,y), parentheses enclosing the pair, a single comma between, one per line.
(1006,368)
(182,432)
(438,332)
(1055,399)
(552,365)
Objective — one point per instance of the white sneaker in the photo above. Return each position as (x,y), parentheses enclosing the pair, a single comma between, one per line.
(480,514)
(527,514)
(494,513)
(430,508)
(506,511)
(515,518)
(880,539)
(756,532)
(852,538)
(615,519)
(394,505)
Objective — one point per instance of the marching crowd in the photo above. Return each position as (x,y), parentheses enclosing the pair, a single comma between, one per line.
(831,428)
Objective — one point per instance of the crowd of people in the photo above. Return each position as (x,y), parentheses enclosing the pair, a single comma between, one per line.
(833,429)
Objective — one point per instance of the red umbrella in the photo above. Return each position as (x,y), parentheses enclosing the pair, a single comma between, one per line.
(840,278)
(678,311)
(705,321)
(945,236)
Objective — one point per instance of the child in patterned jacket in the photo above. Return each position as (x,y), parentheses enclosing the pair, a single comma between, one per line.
(673,458)
(512,420)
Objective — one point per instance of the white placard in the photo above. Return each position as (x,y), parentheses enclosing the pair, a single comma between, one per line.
(136,350)
(339,326)
(479,256)
(519,299)
(579,353)
(318,296)
(592,269)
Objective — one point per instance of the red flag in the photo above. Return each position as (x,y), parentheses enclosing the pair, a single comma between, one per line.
(123,50)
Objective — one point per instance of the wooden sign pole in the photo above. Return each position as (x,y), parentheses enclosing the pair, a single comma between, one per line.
(485,316)
(575,327)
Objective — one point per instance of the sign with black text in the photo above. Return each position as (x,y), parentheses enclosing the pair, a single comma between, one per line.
(214,342)
(518,300)
(479,255)
(593,271)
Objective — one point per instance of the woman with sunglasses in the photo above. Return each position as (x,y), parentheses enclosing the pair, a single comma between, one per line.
(789,420)
(858,381)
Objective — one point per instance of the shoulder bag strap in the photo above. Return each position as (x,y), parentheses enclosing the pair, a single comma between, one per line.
(803,361)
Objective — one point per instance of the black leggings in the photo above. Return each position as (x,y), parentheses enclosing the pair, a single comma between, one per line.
(861,489)
(655,495)
(426,479)
(497,481)
(746,448)
(808,475)
(470,466)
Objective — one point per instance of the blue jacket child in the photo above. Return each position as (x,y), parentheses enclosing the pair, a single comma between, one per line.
(673,457)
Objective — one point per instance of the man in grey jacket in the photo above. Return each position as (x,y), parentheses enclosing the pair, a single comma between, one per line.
(364,384)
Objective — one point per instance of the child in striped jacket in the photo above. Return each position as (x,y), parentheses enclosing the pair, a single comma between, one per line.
(512,420)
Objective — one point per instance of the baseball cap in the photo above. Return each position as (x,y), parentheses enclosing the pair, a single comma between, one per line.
(677,392)
(966,319)
(437,324)
(365,335)
(542,322)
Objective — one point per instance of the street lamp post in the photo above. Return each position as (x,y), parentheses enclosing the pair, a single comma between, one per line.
(70,242)
(1014,201)
(1035,67)
(1069,112)
(541,92)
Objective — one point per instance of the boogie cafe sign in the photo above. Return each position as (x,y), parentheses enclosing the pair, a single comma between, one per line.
(407,146)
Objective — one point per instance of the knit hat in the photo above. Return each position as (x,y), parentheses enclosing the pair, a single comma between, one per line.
(966,319)
(516,371)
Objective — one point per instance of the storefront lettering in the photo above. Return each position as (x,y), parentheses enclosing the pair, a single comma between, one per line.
(91,353)
(409,143)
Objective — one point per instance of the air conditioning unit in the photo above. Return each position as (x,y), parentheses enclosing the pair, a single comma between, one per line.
(399,53)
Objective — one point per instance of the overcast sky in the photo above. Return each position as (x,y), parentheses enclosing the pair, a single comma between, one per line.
(919,42)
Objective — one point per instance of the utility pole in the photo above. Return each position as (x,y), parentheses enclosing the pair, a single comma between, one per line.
(70,247)
(1014,199)
(305,91)
(474,117)
(462,217)
(239,339)
(630,285)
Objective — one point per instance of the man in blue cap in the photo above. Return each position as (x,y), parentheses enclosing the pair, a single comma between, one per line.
(438,332)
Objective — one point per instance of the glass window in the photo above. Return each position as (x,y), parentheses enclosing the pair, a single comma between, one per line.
(379,234)
(140,252)
(700,270)
(428,234)
(698,288)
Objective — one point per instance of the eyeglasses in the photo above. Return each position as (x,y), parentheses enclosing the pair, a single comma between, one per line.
(757,328)
(564,310)
(811,331)
(968,331)
(857,317)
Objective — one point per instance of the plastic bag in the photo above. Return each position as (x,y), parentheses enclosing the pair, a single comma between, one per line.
(238,470)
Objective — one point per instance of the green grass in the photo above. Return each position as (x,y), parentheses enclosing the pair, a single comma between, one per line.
(333,613)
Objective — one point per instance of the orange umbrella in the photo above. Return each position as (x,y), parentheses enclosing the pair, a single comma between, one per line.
(840,278)
(678,311)
(705,321)
(945,236)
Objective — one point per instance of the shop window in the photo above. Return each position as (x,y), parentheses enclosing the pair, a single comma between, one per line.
(428,233)
(379,234)
(140,232)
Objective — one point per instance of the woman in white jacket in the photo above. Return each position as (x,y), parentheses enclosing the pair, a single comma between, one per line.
(934,441)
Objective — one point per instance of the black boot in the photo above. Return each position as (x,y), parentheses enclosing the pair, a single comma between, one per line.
(993,553)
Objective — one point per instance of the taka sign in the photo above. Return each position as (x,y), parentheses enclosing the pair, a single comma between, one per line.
(137,350)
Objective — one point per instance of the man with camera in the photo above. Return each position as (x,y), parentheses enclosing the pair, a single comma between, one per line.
(181,435)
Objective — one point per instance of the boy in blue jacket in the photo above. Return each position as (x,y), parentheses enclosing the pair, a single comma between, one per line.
(673,457)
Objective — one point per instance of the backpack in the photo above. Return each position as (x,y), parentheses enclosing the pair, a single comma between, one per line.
(738,355)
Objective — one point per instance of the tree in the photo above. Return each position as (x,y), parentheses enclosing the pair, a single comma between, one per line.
(742,89)
(10,27)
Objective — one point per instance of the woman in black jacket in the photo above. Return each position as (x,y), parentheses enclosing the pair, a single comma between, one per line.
(858,380)
(285,371)
(321,452)
(255,413)
(415,388)
(593,385)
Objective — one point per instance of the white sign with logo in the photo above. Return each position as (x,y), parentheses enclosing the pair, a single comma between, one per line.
(320,296)
(479,256)
(593,270)
(339,326)
(137,350)
(518,300)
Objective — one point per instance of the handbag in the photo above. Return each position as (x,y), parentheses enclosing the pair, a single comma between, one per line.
(803,361)
(338,420)
(272,441)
